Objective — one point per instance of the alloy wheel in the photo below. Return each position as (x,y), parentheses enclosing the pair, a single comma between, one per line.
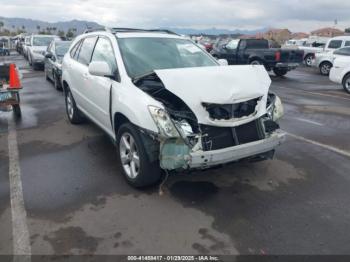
(129,155)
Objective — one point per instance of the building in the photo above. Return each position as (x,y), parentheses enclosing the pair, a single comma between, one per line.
(327,32)
(299,35)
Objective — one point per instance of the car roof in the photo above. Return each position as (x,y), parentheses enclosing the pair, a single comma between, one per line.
(344,37)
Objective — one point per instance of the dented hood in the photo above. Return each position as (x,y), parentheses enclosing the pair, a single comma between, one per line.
(218,85)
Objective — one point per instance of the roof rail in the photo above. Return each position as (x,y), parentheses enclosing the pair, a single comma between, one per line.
(90,30)
(133,30)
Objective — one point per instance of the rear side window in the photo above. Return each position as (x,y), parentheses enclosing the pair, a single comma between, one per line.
(257,44)
(86,49)
(104,53)
(335,44)
(73,52)
(343,51)
(347,43)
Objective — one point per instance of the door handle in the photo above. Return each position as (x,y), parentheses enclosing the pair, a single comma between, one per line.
(86,76)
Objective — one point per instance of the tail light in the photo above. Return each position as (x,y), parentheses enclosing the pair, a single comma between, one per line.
(278,56)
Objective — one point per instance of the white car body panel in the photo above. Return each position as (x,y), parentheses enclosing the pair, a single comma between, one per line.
(218,85)
(340,69)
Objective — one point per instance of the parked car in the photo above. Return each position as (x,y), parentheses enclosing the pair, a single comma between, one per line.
(258,52)
(37,48)
(25,46)
(310,46)
(4,51)
(168,104)
(324,61)
(340,72)
(53,61)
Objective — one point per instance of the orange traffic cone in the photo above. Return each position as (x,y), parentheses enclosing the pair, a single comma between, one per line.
(14,82)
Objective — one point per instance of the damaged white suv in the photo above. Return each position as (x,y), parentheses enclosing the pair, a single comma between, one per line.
(168,104)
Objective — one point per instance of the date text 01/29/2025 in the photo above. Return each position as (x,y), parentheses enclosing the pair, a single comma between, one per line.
(173,258)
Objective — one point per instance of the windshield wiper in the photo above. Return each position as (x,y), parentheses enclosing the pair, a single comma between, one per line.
(137,78)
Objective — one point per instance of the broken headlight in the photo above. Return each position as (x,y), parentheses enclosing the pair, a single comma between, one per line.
(164,123)
(275,109)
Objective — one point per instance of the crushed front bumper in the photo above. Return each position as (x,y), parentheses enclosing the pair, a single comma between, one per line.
(206,159)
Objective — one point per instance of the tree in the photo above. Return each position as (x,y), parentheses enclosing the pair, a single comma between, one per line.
(70,34)
(38,27)
(1,25)
(61,33)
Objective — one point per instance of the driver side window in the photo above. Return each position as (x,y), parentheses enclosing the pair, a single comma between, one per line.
(104,53)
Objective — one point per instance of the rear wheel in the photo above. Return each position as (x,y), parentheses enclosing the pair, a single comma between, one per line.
(255,62)
(308,60)
(73,113)
(56,82)
(325,68)
(135,164)
(280,71)
(346,83)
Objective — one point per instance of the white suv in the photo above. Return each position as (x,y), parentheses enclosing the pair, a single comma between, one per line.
(168,104)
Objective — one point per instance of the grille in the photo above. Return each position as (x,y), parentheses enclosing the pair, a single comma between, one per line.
(222,137)
(229,111)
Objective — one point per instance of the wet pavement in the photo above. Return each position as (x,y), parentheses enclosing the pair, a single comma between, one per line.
(77,202)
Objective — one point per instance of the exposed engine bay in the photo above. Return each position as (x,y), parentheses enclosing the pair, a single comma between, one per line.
(197,136)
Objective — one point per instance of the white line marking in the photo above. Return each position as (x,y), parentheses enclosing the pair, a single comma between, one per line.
(331,148)
(308,121)
(20,233)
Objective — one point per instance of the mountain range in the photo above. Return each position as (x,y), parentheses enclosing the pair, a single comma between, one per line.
(31,26)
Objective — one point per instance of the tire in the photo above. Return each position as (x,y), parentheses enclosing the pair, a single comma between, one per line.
(30,61)
(17,111)
(280,71)
(255,62)
(56,83)
(308,60)
(73,113)
(135,165)
(346,83)
(325,68)
(46,75)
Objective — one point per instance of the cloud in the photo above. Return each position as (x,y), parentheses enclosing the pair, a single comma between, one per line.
(298,15)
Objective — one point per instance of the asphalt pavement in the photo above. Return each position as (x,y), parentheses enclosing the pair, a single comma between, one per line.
(76,201)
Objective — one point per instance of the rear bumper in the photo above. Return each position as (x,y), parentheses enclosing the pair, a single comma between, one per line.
(206,159)
(287,65)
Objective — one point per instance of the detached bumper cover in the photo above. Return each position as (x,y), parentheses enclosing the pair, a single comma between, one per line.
(204,159)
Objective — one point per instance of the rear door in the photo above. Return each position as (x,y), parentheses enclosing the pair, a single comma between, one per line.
(100,91)
(80,74)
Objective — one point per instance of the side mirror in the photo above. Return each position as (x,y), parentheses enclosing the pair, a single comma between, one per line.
(100,69)
(223,62)
(224,47)
(48,55)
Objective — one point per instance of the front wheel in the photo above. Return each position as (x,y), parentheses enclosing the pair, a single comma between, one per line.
(73,113)
(325,68)
(308,60)
(280,71)
(346,83)
(136,166)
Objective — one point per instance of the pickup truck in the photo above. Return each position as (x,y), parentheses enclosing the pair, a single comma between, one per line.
(258,52)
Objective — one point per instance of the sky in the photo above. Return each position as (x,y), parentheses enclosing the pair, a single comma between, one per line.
(297,15)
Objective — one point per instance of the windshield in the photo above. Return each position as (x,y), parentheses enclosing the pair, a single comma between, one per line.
(62,48)
(42,41)
(144,55)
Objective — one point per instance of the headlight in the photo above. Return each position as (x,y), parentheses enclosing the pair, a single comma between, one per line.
(164,123)
(275,110)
